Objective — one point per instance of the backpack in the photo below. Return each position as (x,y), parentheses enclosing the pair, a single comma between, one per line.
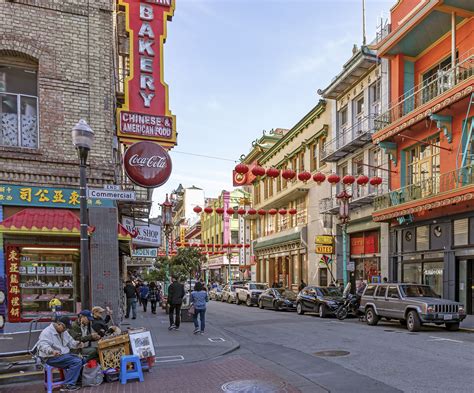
(92,376)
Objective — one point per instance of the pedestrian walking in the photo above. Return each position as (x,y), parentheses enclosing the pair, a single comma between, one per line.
(199,298)
(131,295)
(144,292)
(138,286)
(302,286)
(153,296)
(175,299)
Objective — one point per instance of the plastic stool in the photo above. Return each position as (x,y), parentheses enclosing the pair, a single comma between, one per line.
(125,374)
(49,383)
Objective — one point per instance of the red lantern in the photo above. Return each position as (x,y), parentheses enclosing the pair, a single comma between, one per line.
(282,211)
(208,210)
(219,210)
(178,244)
(247,246)
(348,179)
(241,168)
(217,245)
(362,180)
(319,177)
(262,212)
(258,171)
(375,181)
(273,172)
(202,246)
(251,212)
(230,211)
(241,212)
(333,178)
(288,174)
(304,176)
(273,211)
(240,245)
(292,211)
(186,244)
(197,209)
(210,245)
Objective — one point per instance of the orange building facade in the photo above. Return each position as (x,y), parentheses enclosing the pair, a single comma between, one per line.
(428,133)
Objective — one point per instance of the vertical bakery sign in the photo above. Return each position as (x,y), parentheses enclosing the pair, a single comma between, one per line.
(13,277)
(145,113)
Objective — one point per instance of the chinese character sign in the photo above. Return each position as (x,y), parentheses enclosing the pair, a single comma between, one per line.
(18,195)
(13,277)
(145,113)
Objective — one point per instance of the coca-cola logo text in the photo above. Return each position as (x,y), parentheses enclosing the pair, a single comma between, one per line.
(147,164)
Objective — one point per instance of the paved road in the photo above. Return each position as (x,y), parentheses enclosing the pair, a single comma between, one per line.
(384,358)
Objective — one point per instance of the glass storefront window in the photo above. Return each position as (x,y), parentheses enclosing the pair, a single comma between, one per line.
(412,273)
(461,231)
(367,269)
(433,276)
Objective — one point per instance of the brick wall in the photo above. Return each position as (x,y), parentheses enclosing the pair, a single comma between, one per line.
(72,42)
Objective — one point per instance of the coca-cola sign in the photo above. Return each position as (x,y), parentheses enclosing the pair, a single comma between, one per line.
(147,164)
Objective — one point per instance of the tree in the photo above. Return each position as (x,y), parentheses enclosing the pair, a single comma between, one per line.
(187,262)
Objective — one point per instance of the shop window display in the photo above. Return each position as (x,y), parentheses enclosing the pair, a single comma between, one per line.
(48,278)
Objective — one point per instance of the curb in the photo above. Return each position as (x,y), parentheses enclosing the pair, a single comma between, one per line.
(470,330)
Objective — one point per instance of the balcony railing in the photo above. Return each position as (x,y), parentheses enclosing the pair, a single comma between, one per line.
(18,120)
(350,139)
(444,80)
(444,183)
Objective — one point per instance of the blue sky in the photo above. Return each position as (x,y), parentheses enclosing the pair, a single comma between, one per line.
(237,67)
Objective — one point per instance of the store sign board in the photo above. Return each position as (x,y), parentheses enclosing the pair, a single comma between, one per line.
(13,277)
(357,245)
(148,234)
(145,113)
(321,249)
(118,195)
(324,239)
(68,198)
(145,252)
(350,266)
(147,164)
(137,261)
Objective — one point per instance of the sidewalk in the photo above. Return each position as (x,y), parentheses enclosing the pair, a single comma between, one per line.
(468,323)
(181,345)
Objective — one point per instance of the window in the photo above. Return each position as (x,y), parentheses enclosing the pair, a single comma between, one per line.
(313,151)
(370,290)
(284,181)
(422,238)
(358,107)
(301,211)
(393,292)
(321,143)
(301,161)
(294,163)
(343,117)
(270,186)
(423,168)
(381,291)
(234,237)
(18,105)
(265,188)
(461,232)
(437,80)
(278,183)
(256,191)
(374,97)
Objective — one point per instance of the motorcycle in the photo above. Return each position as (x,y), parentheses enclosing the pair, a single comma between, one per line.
(350,305)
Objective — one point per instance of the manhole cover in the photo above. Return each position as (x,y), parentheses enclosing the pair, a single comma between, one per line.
(254,386)
(332,353)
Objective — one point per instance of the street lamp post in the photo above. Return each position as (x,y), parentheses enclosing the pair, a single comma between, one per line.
(344,215)
(229,258)
(82,139)
(167,222)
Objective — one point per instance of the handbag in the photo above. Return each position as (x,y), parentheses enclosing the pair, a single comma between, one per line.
(92,374)
(191,310)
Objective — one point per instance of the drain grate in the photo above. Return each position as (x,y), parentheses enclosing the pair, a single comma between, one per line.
(332,353)
(254,386)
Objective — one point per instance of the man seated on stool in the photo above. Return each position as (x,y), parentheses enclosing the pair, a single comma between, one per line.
(81,331)
(54,345)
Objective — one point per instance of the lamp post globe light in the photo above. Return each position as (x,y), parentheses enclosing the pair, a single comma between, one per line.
(167,224)
(82,139)
(344,216)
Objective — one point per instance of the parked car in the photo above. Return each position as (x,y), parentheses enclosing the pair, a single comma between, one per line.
(278,299)
(249,293)
(229,294)
(215,293)
(412,304)
(322,300)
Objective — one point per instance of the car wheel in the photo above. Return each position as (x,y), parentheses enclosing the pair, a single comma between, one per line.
(248,302)
(322,311)
(276,307)
(260,305)
(237,300)
(371,317)
(403,322)
(299,309)
(453,326)
(413,321)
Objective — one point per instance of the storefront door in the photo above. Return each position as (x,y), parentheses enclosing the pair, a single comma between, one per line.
(470,287)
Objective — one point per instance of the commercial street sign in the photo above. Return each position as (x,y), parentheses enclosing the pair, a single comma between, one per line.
(118,195)
(148,234)
(145,252)
(320,249)
(324,239)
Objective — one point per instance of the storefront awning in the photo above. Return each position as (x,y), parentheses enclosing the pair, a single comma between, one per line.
(55,222)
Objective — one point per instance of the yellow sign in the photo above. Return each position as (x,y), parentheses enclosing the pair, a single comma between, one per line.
(324,239)
(324,249)
(182,234)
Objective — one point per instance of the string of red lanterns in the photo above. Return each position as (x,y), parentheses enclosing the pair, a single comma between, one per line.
(203,245)
(289,174)
(241,211)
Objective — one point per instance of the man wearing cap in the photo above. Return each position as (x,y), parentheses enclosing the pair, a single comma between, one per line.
(81,331)
(99,324)
(54,346)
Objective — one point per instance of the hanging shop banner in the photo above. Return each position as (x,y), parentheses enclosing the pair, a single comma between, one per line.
(147,234)
(147,164)
(357,244)
(145,252)
(13,277)
(145,113)
(18,195)
(324,239)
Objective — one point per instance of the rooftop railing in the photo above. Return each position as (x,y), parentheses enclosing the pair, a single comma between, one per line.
(444,80)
